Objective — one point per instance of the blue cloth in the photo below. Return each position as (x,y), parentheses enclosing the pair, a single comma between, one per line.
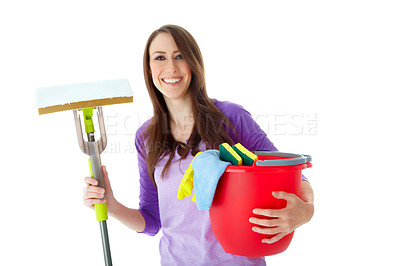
(207,168)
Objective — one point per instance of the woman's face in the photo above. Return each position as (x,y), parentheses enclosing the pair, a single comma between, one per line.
(170,72)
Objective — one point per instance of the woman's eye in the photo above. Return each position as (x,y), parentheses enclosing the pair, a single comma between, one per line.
(161,58)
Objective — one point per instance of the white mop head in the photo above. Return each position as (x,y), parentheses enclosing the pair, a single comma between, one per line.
(82,95)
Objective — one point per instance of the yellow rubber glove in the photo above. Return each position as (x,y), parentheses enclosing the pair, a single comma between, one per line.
(186,186)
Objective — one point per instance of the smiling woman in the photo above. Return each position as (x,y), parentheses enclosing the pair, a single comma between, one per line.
(171,74)
(185,122)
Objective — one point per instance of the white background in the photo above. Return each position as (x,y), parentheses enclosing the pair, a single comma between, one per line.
(319,76)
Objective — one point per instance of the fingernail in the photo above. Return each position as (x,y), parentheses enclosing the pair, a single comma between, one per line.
(275,193)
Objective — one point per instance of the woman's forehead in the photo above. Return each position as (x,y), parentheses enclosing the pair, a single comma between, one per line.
(163,43)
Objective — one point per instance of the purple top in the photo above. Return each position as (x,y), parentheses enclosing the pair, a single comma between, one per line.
(187,235)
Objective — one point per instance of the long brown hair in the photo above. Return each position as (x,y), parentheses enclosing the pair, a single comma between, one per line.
(210,124)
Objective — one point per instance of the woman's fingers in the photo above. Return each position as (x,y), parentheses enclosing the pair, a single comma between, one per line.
(267,230)
(91,193)
(264,222)
(268,212)
(91,181)
(273,227)
(91,189)
(91,202)
(275,238)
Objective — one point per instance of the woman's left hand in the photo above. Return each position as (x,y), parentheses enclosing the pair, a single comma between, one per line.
(284,221)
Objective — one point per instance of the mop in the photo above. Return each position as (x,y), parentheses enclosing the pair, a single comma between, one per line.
(85,98)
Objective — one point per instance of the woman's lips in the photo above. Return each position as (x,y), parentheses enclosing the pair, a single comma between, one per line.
(172,81)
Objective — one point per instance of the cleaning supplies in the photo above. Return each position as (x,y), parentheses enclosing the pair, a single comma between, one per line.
(202,175)
(207,168)
(186,185)
(247,156)
(228,154)
(87,97)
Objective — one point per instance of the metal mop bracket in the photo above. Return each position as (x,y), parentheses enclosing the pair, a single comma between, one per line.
(84,145)
(93,148)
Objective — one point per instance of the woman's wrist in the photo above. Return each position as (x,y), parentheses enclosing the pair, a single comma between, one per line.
(132,218)
(112,206)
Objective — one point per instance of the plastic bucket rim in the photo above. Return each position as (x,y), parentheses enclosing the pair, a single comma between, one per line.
(295,159)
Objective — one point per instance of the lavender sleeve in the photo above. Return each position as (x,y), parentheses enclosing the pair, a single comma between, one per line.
(148,197)
(250,134)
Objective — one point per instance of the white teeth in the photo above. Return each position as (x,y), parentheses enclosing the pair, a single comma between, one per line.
(172,80)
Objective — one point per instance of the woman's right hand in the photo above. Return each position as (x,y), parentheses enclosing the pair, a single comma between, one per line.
(95,195)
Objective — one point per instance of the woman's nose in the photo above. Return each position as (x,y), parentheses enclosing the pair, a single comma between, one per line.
(171,66)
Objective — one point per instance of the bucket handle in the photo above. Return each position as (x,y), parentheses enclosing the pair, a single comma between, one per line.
(295,159)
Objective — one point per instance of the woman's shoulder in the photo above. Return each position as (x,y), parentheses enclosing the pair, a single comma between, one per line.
(233,111)
(142,129)
(229,108)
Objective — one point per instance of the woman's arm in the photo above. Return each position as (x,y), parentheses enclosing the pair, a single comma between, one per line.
(297,212)
(131,218)
(307,193)
(146,219)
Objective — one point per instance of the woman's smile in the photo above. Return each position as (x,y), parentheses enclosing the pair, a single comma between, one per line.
(172,81)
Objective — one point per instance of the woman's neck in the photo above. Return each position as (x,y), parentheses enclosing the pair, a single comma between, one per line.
(182,119)
(180,110)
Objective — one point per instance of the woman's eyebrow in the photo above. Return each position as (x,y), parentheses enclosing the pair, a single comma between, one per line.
(159,52)
(162,52)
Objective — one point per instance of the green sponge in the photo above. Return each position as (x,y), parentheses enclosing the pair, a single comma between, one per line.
(226,153)
(248,157)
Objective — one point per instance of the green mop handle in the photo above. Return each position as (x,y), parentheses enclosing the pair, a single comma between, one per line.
(101,209)
(96,170)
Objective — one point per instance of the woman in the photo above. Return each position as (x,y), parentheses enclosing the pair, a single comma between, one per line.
(186,121)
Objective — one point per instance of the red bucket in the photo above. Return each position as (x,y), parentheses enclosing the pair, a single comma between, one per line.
(244,188)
